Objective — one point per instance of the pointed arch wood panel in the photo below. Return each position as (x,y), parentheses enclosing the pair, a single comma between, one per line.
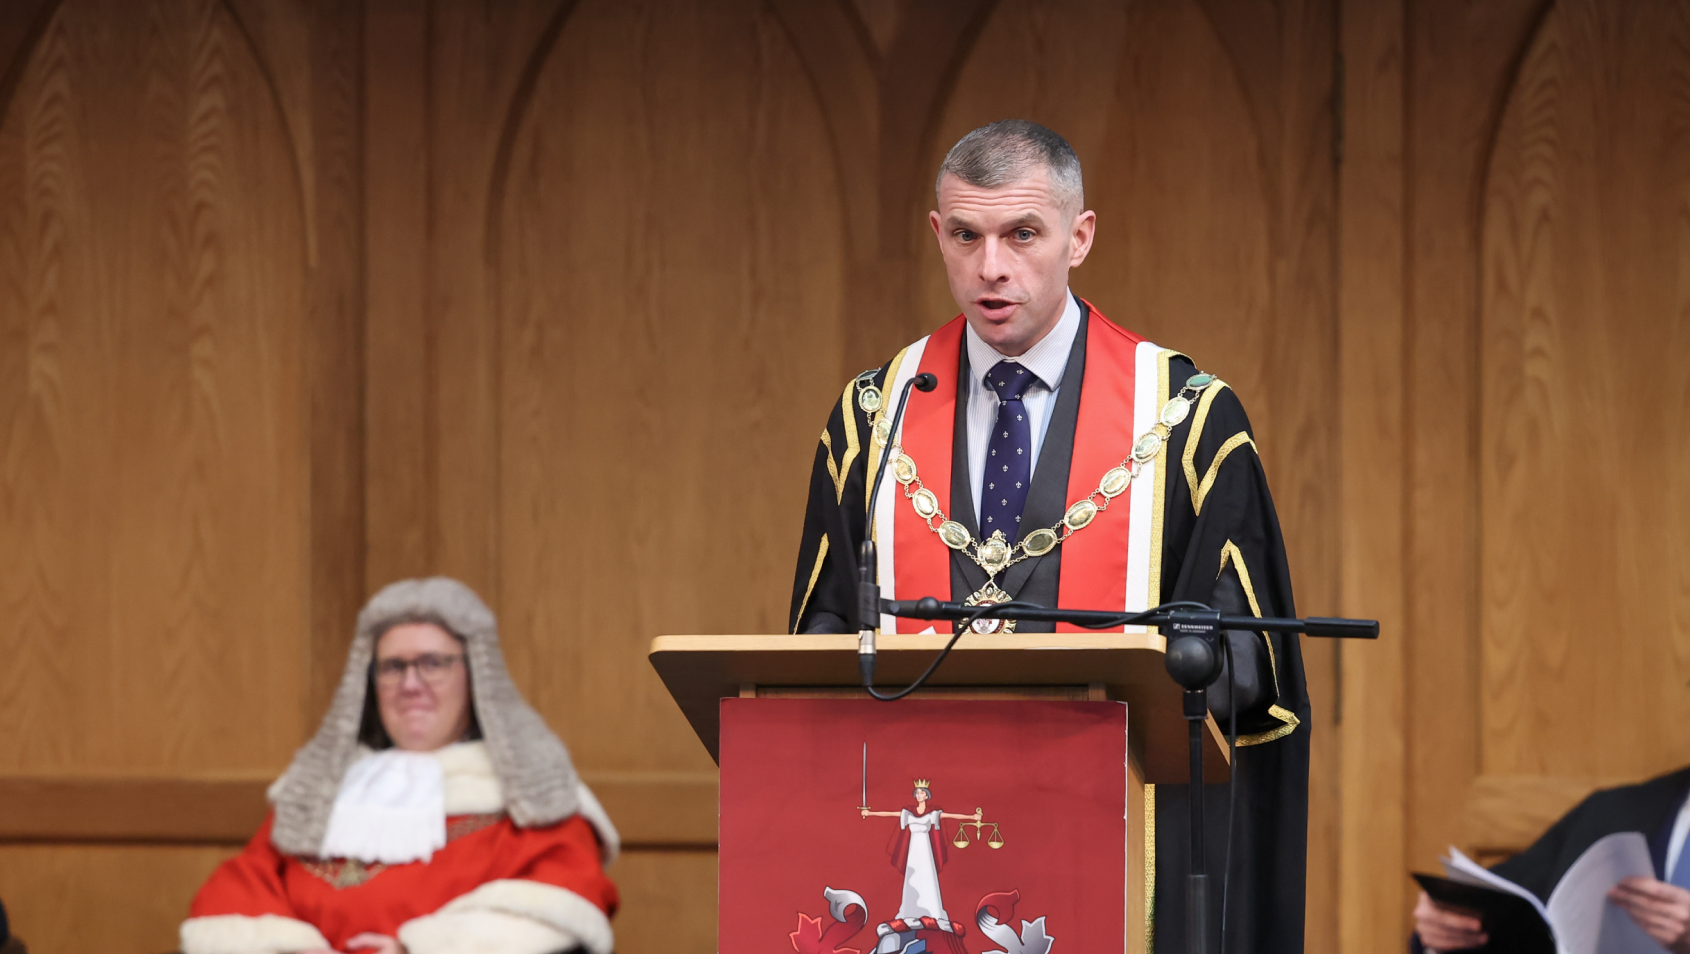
(1459,65)
(671,306)
(1542,206)
(1584,421)
(153,259)
(179,397)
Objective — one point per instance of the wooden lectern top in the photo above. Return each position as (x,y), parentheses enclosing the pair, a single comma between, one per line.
(700,671)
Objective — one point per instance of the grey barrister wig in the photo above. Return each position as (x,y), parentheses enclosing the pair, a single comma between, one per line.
(533,767)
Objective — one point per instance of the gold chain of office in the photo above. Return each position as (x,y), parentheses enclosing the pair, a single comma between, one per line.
(996,553)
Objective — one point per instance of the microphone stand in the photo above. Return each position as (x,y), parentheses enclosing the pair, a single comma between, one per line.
(868,565)
(1193,660)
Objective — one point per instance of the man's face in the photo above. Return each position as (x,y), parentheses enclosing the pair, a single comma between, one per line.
(1007,254)
(422,686)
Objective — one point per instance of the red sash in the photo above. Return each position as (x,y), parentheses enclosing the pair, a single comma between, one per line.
(1094,559)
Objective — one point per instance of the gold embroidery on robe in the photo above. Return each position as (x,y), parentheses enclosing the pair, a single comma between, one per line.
(343,873)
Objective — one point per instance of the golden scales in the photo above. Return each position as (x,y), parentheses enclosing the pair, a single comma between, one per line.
(994,840)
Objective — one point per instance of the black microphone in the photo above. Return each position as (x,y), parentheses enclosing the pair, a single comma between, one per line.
(868,586)
(1341,628)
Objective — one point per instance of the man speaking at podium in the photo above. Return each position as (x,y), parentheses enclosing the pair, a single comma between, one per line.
(1066,461)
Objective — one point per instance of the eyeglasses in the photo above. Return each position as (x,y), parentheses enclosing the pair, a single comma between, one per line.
(432,668)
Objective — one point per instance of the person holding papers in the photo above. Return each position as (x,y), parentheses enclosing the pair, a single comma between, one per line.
(1658,809)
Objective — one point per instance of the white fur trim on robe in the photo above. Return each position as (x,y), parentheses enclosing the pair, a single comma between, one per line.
(472,787)
(240,934)
(510,916)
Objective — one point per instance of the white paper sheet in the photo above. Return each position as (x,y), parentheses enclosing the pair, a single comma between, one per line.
(1585,922)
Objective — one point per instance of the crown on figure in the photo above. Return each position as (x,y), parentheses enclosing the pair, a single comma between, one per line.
(922,783)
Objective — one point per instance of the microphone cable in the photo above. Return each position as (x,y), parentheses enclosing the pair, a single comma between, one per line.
(921,680)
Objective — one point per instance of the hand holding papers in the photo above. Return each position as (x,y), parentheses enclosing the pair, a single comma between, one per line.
(1578,919)
(1660,908)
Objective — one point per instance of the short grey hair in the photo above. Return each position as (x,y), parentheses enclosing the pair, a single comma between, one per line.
(1010,150)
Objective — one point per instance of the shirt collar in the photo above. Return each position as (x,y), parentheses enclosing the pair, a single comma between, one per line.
(1048,359)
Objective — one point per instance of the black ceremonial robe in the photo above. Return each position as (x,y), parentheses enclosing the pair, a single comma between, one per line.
(1648,808)
(1221,546)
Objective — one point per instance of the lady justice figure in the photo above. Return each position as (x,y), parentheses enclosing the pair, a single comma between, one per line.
(433,812)
(918,850)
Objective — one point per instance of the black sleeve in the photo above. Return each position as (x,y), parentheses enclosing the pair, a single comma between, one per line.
(824,584)
(1221,545)
(1245,669)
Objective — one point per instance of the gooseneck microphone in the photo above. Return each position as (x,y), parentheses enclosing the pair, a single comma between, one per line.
(868,586)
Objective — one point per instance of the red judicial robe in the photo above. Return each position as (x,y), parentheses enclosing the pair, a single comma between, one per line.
(486,859)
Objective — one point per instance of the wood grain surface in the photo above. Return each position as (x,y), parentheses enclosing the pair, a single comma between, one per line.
(1544,268)
(299,297)
(102,897)
(1368,782)
(152,494)
(85,897)
(670,307)
(1585,402)
(651,810)
(126,810)
(1460,62)
(154,436)
(1504,813)
(668,901)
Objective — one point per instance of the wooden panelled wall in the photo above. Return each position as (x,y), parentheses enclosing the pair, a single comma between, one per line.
(1514,301)
(298,297)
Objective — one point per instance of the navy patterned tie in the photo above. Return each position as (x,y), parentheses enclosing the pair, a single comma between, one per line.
(1009,453)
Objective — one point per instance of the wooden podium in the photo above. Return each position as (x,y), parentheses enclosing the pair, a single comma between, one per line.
(701,671)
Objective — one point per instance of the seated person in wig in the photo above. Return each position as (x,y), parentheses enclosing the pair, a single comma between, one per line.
(433,811)
(1659,809)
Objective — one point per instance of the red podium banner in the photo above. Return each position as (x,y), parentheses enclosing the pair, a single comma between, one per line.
(922,827)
